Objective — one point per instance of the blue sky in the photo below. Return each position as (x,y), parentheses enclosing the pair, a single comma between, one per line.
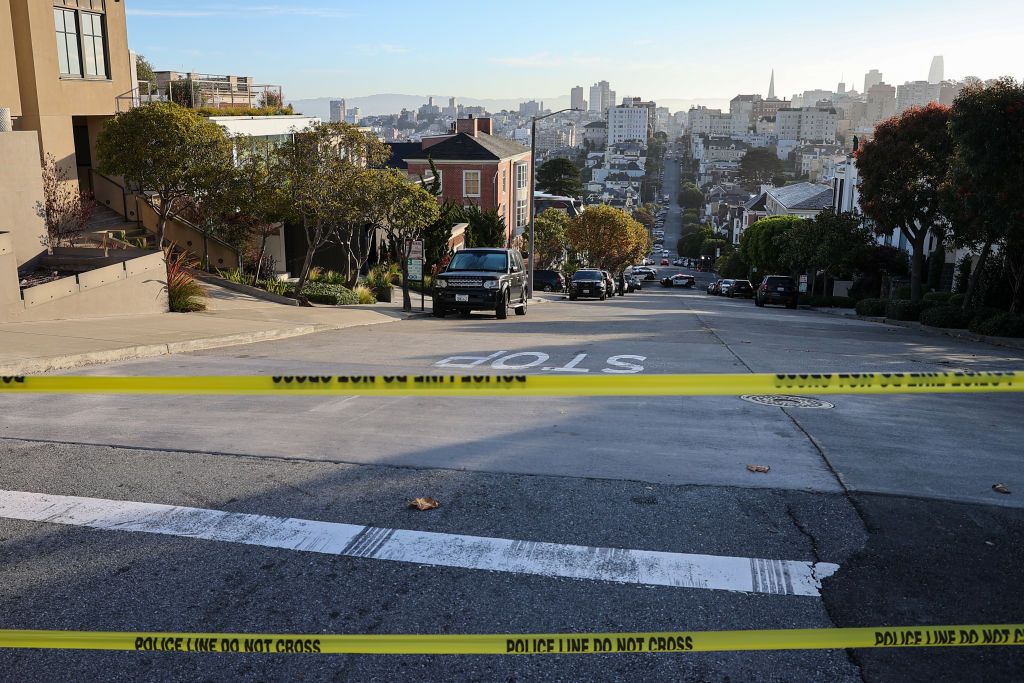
(531,48)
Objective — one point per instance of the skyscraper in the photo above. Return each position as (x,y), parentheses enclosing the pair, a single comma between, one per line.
(338,111)
(937,73)
(576,100)
(601,97)
(771,88)
(872,78)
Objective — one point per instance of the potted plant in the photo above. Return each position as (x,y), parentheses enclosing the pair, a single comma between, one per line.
(379,280)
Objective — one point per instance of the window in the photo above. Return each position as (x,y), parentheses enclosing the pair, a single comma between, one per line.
(471,183)
(67,42)
(521,213)
(81,44)
(92,45)
(522,180)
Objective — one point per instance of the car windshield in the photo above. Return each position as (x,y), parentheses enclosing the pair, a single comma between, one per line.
(587,275)
(491,261)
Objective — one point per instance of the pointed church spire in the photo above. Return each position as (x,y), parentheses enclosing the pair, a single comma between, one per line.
(771,88)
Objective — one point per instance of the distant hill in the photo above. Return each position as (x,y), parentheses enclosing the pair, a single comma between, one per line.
(391,103)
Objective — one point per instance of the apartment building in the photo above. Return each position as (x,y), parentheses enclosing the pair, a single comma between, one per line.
(65,63)
(916,94)
(811,124)
(630,121)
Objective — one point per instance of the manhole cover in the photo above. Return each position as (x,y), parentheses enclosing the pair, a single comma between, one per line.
(787,401)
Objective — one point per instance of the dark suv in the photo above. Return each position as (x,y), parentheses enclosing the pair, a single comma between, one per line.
(482,280)
(548,281)
(588,283)
(777,289)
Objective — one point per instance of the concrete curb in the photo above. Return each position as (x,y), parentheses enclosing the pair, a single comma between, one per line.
(965,335)
(74,360)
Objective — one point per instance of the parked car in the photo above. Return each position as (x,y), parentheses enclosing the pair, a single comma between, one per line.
(482,279)
(588,284)
(678,262)
(777,289)
(713,287)
(679,280)
(723,289)
(622,283)
(741,288)
(636,283)
(664,261)
(646,273)
(611,285)
(548,281)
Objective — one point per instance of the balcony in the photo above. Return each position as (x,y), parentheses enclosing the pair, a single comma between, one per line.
(211,95)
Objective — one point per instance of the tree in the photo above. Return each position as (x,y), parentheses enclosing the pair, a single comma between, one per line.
(902,170)
(987,172)
(829,242)
(167,151)
(759,166)
(644,217)
(437,235)
(607,237)
(550,238)
(731,265)
(690,196)
(559,177)
(761,246)
(714,246)
(402,209)
(65,210)
(690,243)
(325,167)
(144,70)
(486,228)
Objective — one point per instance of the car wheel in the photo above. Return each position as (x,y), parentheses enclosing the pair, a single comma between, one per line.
(572,297)
(521,308)
(790,304)
(548,288)
(439,311)
(501,310)
(759,303)
(464,313)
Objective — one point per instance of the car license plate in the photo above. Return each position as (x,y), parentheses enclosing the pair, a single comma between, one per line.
(462,298)
(780,289)
(586,291)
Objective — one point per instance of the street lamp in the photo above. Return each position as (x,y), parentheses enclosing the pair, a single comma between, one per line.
(533,173)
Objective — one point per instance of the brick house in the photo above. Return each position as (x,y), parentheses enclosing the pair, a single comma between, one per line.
(479,168)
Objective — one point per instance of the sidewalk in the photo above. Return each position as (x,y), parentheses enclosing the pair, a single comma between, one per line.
(232,318)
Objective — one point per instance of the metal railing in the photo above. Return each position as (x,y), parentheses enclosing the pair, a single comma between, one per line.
(216,92)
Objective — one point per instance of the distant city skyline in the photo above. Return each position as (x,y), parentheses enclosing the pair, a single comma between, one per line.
(316,48)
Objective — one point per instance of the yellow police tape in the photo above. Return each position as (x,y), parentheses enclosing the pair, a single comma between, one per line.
(529,385)
(522,644)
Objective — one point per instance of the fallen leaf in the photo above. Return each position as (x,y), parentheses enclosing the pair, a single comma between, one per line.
(1001,488)
(761,469)
(424,503)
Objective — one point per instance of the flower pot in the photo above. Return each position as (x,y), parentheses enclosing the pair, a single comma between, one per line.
(383,294)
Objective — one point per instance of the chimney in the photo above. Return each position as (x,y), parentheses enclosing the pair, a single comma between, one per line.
(484,125)
(468,125)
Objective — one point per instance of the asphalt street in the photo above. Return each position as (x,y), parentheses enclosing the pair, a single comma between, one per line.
(895,491)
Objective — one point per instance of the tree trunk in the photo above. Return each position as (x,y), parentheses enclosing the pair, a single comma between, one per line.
(161,225)
(917,265)
(972,282)
(306,265)
(259,258)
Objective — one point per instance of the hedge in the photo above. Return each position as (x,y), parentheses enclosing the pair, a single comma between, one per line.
(905,309)
(956,300)
(938,297)
(951,317)
(871,307)
(1001,325)
(325,293)
(828,301)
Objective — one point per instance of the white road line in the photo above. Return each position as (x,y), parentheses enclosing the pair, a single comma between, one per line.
(712,572)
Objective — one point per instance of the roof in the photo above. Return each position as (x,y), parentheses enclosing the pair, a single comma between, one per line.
(596,124)
(466,147)
(803,196)
(757,203)
(400,151)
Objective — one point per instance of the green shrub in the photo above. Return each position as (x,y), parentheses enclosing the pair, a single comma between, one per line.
(1001,325)
(235,275)
(871,307)
(951,317)
(905,309)
(333,278)
(324,293)
(378,278)
(184,294)
(938,297)
(365,295)
(901,292)
(956,300)
(275,286)
(983,313)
